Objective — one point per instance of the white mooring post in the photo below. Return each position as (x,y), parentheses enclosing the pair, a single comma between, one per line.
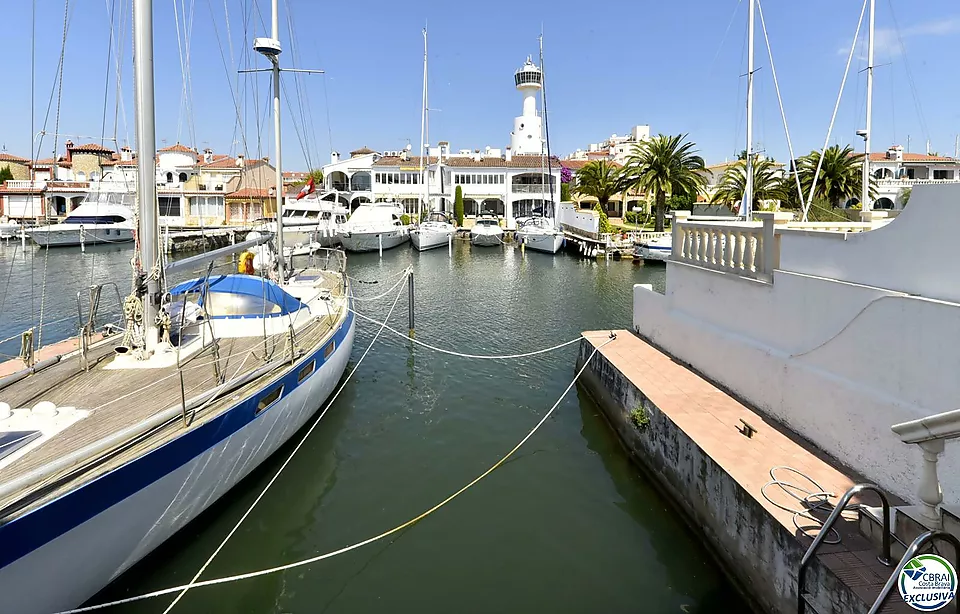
(380,244)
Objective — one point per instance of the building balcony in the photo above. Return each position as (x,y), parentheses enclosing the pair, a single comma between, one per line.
(530,188)
(25,184)
(909,183)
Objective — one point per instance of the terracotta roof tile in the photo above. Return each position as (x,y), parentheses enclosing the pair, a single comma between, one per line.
(250,193)
(911,157)
(362,151)
(91,148)
(220,161)
(6,157)
(179,148)
(576,165)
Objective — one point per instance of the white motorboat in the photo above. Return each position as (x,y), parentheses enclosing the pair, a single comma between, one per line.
(374,226)
(138,434)
(541,234)
(309,223)
(104,217)
(657,249)
(9,229)
(436,231)
(486,232)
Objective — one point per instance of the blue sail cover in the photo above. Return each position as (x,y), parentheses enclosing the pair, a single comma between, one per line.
(245,285)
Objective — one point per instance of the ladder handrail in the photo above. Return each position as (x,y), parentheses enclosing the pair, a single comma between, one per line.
(828,525)
(922,540)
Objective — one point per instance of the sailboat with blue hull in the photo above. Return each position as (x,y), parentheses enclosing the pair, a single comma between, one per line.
(107,451)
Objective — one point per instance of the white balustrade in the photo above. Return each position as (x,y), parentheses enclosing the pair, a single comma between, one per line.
(929,434)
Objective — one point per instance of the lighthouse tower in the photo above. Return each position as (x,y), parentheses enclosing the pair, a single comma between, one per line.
(527,135)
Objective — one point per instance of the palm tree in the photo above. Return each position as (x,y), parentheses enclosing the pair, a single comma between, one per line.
(665,165)
(841,175)
(600,179)
(766,184)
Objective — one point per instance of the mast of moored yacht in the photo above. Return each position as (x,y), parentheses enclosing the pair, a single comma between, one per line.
(425,130)
(865,204)
(275,61)
(146,162)
(747,207)
(546,132)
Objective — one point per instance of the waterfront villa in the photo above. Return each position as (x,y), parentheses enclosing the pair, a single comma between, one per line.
(617,148)
(896,172)
(516,182)
(193,189)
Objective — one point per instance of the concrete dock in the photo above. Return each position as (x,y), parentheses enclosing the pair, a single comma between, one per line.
(688,436)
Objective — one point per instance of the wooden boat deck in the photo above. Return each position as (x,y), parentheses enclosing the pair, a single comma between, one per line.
(123,398)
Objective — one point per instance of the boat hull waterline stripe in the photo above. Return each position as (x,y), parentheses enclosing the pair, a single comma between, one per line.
(29,532)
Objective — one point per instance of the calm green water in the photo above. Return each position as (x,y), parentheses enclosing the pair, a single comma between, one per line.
(568,525)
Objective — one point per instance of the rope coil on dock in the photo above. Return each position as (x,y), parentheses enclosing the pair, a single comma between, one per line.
(812,501)
(271,570)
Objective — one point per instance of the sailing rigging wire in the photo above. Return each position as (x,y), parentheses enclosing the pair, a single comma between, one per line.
(783,113)
(906,65)
(833,118)
(59,87)
(370,540)
(234,88)
(289,457)
(461,354)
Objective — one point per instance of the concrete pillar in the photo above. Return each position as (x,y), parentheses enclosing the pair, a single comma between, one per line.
(769,250)
(872,216)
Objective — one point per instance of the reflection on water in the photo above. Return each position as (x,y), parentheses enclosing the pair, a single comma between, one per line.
(568,525)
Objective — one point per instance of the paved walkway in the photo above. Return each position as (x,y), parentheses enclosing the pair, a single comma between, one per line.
(48,351)
(712,419)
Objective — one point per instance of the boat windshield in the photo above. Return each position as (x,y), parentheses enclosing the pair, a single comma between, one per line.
(109,198)
(437,216)
(94,219)
(487,223)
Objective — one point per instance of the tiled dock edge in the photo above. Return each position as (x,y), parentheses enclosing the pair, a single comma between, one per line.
(694,452)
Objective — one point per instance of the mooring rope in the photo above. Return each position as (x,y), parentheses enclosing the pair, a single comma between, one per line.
(286,462)
(386,292)
(461,354)
(370,540)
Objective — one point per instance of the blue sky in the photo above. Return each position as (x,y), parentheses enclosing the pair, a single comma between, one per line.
(673,65)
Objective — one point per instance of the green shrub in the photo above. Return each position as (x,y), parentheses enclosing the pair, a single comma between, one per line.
(405,219)
(458,206)
(640,418)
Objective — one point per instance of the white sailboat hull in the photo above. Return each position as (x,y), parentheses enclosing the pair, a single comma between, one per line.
(67,235)
(543,242)
(72,567)
(424,239)
(371,241)
(485,235)
(656,250)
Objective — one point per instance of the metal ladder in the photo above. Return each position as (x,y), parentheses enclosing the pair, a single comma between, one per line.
(828,525)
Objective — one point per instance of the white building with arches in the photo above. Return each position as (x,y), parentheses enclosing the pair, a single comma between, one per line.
(516,182)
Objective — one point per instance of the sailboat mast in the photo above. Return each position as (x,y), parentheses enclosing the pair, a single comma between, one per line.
(546,132)
(423,116)
(866,205)
(146,162)
(425,125)
(275,60)
(748,186)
